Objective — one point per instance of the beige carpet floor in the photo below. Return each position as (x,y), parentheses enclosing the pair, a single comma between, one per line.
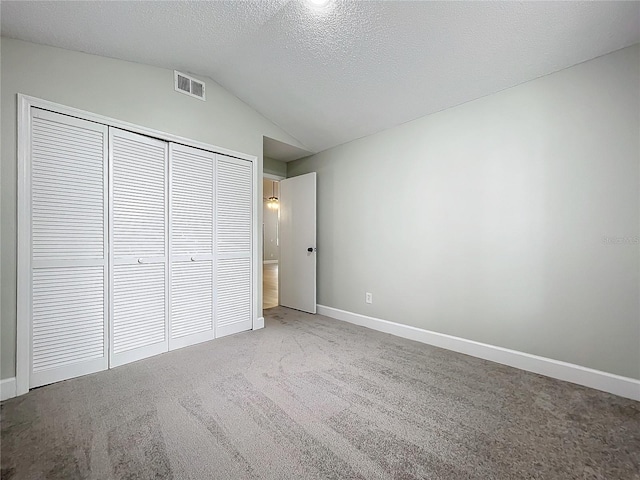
(309,397)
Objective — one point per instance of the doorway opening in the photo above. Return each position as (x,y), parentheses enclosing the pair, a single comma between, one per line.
(270,241)
(276,154)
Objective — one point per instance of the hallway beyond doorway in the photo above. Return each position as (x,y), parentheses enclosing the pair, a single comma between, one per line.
(269,285)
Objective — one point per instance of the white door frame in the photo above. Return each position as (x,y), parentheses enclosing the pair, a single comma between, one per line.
(277,178)
(23,326)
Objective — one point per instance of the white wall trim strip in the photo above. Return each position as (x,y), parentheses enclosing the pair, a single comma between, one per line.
(607,382)
(259,323)
(7,388)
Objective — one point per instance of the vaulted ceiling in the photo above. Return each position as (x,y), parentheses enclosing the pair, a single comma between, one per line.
(332,74)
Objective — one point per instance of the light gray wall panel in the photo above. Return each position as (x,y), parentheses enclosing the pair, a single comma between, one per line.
(510,220)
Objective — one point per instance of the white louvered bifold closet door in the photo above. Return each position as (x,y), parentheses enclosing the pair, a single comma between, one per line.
(191,219)
(139,310)
(68,247)
(234,223)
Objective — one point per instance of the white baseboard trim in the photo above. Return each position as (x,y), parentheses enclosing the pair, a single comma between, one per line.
(259,323)
(270,261)
(569,372)
(7,388)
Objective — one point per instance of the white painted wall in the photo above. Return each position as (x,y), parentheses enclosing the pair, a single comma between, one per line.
(127,91)
(492,222)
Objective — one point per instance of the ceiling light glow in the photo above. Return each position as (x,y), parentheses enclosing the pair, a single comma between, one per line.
(319,4)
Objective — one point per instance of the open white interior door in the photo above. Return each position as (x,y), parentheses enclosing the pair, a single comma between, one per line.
(297,272)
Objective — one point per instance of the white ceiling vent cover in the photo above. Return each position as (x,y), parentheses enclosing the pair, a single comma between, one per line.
(189,85)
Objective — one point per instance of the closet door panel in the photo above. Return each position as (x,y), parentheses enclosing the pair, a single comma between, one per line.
(233,295)
(139,327)
(68,318)
(191,303)
(68,336)
(139,193)
(191,201)
(191,219)
(140,246)
(67,204)
(234,220)
(233,206)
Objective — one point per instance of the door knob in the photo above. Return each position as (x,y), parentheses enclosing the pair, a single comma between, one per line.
(310,249)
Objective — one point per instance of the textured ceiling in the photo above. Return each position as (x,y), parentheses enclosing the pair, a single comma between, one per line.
(330,76)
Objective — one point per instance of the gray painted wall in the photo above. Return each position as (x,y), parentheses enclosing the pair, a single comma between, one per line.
(274,167)
(127,91)
(491,221)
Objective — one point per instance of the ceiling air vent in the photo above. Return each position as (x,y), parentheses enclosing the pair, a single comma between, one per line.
(189,85)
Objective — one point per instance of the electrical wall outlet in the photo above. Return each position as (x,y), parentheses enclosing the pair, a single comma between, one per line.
(368,297)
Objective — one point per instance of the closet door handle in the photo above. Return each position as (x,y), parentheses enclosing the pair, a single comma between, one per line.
(150,260)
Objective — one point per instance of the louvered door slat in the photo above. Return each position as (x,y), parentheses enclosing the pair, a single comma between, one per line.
(138,311)
(234,223)
(233,206)
(68,247)
(139,168)
(234,291)
(191,201)
(139,186)
(192,205)
(85,288)
(78,190)
(191,298)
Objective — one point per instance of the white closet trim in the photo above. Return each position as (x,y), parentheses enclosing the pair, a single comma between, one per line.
(25,103)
